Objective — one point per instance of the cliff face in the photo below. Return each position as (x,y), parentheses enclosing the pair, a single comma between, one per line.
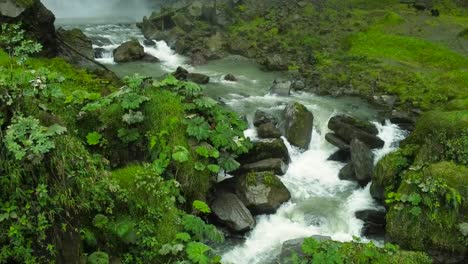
(36,19)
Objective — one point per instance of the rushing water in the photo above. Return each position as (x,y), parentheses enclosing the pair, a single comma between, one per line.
(321,203)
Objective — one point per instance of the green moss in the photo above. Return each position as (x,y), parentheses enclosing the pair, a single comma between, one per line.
(268,178)
(436,227)
(387,170)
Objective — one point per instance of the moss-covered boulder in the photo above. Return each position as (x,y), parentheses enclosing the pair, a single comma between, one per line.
(298,125)
(261,192)
(129,51)
(427,209)
(346,128)
(266,149)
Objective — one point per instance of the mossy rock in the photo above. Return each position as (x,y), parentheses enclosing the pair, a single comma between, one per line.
(386,173)
(98,257)
(436,228)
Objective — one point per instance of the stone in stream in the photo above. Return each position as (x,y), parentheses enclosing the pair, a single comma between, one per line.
(230,211)
(298,125)
(294,246)
(261,192)
(374,222)
(129,51)
(268,130)
(282,88)
(266,149)
(278,166)
(182,74)
(149,42)
(340,156)
(261,118)
(347,173)
(337,141)
(99,53)
(348,128)
(150,58)
(230,77)
(363,161)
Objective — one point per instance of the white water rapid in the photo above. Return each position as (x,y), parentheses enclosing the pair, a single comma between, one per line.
(321,203)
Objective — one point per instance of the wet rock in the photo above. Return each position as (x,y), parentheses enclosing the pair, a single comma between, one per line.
(81,45)
(183,75)
(230,77)
(348,128)
(150,58)
(363,161)
(266,149)
(261,192)
(282,88)
(198,78)
(230,211)
(129,51)
(261,118)
(268,130)
(377,191)
(337,141)
(374,222)
(405,120)
(298,85)
(298,125)
(149,42)
(294,246)
(198,58)
(278,166)
(340,156)
(347,173)
(99,53)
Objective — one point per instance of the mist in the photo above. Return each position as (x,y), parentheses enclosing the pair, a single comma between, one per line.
(132,9)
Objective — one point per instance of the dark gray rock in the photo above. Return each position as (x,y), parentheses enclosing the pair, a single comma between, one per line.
(347,173)
(230,211)
(298,125)
(266,149)
(99,53)
(405,120)
(278,166)
(377,192)
(363,161)
(150,58)
(275,63)
(198,78)
(263,118)
(340,156)
(348,128)
(261,192)
(374,222)
(268,130)
(129,51)
(230,77)
(149,42)
(337,141)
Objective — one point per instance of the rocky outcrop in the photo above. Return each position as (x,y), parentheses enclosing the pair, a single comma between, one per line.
(231,212)
(36,20)
(347,128)
(183,75)
(75,47)
(294,247)
(261,192)
(129,51)
(298,125)
(266,149)
(363,161)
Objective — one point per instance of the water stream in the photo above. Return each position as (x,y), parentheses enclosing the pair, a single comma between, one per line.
(321,204)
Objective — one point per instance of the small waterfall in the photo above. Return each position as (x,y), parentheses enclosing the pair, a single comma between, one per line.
(321,203)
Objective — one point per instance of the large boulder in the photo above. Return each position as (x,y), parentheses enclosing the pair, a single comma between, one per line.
(298,125)
(363,161)
(347,173)
(278,166)
(129,51)
(232,212)
(337,141)
(282,88)
(261,118)
(266,149)
(348,128)
(268,130)
(36,20)
(374,222)
(261,192)
(294,247)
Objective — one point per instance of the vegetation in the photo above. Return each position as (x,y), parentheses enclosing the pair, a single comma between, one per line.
(94,170)
(331,252)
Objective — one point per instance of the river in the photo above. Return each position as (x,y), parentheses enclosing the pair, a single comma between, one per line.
(321,203)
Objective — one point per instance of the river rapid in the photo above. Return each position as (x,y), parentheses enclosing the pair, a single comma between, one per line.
(321,203)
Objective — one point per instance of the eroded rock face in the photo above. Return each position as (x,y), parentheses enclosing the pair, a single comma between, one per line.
(129,51)
(298,125)
(230,211)
(261,192)
(36,19)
